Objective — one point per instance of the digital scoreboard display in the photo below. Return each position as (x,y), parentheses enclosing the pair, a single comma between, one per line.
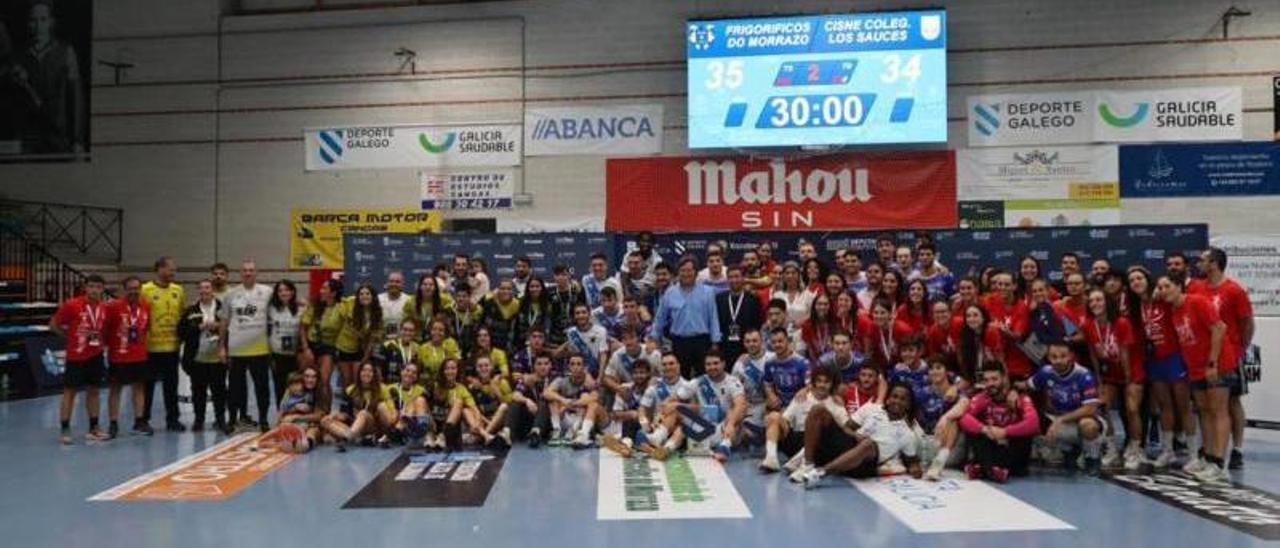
(854,79)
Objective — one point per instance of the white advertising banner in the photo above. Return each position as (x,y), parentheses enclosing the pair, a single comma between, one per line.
(1030,118)
(1036,173)
(1254,261)
(411,146)
(678,488)
(1180,114)
(614,130)
(956,506)
(488,189)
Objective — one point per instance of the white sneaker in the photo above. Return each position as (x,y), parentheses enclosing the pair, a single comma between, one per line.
(813,477)
(581,441)
(1164,458)
(934,473)
(892,468)
(1194,466)
(1134,461)
(1112,459)
(770,465)
(797,476)
(795,462)
(1210,473)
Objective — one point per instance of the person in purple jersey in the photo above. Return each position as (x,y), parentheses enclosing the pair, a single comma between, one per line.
(785,374)
(1071,416)
(912,369)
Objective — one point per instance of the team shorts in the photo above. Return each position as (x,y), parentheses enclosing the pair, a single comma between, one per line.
(84,374)
(1115,374)
(319,349)
(1170,368)
(1231,381)
(836,442)
(1069,434)
(349,356)
(129,373)
(1242,386)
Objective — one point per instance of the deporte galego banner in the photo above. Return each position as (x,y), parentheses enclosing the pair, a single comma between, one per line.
(1102,116)
(614,130)
(411,146)
(844,191)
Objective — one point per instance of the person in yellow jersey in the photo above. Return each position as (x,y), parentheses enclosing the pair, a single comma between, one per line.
(320,324)
(452,404)
(484,348)
(358,419)
(398,351)
(465,318)
(492,393)
(167,302)
(406,409)
(427,302)
(244,345)
(360,331)
(438,347)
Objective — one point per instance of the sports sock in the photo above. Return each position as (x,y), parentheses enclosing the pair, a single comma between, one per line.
(659,435)
(943,455)
(771,450)
(555,422)
(1166,440)
(1092,447)
(588,426)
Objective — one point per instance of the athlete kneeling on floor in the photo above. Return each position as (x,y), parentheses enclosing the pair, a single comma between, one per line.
(1072,412)
(876,440)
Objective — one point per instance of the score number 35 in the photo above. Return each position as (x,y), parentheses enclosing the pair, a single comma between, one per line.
(721,74)
(729,75)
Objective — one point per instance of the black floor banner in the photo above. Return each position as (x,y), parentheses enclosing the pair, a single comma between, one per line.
(1240,507)
(432,480)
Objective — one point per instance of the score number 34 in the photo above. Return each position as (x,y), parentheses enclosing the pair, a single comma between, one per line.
(729,75)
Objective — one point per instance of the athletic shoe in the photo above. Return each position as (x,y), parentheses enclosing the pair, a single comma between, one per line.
(581,441)
(1112,459)
(505,436)
(998,474)
(1210,473)
(64,437)
(94,435)
(934,473)
(770,465)
(1164,458)
(722,452)
(470,439)
(1092,466)
(973,471)
(384,442)
(340,446)
(795,462)
(1179,446)
(1134,461)
(226,429)
(197,427)
(659,453)
(612,443)
(1237,460)
(176,426)
(813,477)
(143,429)
(263,428)
(1194,466)
(244,421)
(113,431)
(535,438)
(892,468)
(798,475)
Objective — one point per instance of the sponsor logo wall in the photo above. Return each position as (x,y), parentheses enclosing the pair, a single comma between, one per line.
(1181,114)
(315,235)
(606,130)
(1210,169)
(490,189)
(962,251)
(369,257)
(849,191)
(1038,186)
(217,473)
(678,488)
(410,146)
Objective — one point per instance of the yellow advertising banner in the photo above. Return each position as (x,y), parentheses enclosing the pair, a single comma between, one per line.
(315,235)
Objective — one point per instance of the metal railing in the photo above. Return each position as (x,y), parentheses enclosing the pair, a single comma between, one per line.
(88,234)
(44,277)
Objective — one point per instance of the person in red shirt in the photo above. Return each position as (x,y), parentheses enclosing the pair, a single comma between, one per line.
(816,331)
(1073,309)
(940,339)
(915,311)
(979,342)
(1152,319)
(79,320)
(885,336)
(1232,302)
(1212,369)
(126,335)
(870,388)
(1010,316)
(966,294)
(1028,273)
(1110,338)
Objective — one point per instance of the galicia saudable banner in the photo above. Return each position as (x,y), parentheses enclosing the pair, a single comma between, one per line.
(411,146)
(1209,169)
(845,191)
(616,130)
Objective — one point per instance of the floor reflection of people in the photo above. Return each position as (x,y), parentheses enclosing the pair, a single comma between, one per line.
(50,70)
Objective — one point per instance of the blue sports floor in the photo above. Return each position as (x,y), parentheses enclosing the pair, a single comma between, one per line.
(542,498)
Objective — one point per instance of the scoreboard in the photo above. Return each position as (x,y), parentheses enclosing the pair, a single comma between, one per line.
(854,79)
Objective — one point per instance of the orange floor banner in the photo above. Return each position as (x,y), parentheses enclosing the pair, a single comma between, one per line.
(216,473)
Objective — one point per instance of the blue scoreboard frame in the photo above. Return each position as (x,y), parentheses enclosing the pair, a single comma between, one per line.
(852,79)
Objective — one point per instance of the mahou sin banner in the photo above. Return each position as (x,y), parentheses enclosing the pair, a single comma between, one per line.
(846,191)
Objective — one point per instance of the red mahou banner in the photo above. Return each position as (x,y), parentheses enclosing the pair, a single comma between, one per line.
(845,191)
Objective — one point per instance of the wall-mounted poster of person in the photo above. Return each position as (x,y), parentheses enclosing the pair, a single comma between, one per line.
(45,67)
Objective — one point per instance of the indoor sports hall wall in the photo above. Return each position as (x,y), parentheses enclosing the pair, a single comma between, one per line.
(201,143)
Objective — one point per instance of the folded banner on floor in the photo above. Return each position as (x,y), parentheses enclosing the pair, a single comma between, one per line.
(679,488)
(844,191)
(1239,507)
(433,480)
(217,473)
(956,506)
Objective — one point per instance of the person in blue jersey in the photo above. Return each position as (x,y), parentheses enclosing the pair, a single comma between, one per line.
(939,408)
(710,424)
(609,313)
(595,282)
(911,368)
(749,370)
(687,317)
(940,282)
(843,361)
(586,340)
(785,374)
(1072,410)
(621,423)
(659,423)
(785,430)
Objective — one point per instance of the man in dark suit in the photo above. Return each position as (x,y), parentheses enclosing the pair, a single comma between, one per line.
(739,311)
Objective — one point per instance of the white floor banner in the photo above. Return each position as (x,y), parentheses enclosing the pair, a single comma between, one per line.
(679,488)
(956,505)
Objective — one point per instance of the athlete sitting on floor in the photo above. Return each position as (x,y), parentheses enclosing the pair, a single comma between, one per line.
(940,405)
(712,425)
(750,372)
(358,417)
(999,433)
(406,409)
(621,425)
(451,405)
(528,415)
(567,398)
(785,430)
(298,414)
(658,435)
(876,440)
(492,394)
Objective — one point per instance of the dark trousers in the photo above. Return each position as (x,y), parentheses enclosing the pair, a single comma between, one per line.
(1013,457)
(207,378)
(259,367)
(691,351)
(164,369)
(281,366)
(731,351)
(521,421)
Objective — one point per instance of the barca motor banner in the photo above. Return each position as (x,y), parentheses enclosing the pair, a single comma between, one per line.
(602,130)
(1210,169)
(410,146)
(315,235)
(844,191)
